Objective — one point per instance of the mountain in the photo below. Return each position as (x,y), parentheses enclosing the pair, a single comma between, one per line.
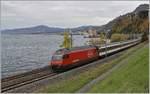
(142,7)
(82,28)
(33,30)
(124,22)
(41,29)
(134,22)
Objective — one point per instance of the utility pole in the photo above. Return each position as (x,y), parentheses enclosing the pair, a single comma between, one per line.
(106,35)
(71,37)
(106,44)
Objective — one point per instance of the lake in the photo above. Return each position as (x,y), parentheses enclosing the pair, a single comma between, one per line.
(21,53)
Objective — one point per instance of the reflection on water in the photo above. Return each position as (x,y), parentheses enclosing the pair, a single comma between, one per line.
(21,53)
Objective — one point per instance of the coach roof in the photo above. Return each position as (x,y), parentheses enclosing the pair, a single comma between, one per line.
(66,50)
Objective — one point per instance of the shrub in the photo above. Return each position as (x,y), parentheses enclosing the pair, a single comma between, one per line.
(144,37)
(118,37)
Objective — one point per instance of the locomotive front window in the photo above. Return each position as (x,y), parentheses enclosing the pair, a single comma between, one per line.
(57,57)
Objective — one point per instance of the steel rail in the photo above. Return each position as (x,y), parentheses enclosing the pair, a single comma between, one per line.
(39,74)
(27,82)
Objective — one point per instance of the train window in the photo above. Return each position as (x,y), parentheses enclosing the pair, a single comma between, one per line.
(65,56)
(58,52)
(57,57)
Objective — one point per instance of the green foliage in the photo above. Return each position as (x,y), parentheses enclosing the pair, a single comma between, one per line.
(118,37)
(93,41)
(132,77)
(67,41)
(101,38)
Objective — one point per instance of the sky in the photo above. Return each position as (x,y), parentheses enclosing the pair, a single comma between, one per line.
(64,14)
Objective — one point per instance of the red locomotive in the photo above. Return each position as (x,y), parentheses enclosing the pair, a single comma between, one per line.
(64,59)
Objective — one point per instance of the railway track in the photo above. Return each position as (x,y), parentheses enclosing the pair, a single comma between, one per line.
(24,74)
(16,81)
(25,78)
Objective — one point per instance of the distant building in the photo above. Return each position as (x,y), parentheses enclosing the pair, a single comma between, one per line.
(92,32)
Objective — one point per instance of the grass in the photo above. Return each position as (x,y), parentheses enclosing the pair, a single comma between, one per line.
(74,83)
(133,77)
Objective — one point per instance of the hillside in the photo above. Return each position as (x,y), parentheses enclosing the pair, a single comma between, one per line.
(136,21)
(133,21)
(132,77)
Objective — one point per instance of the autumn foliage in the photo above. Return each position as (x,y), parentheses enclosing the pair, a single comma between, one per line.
(118,37)
(132,23)
(67,41)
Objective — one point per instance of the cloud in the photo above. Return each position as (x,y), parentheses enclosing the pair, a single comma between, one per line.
(62,13)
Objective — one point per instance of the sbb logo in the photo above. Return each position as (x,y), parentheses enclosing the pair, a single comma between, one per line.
(90,53)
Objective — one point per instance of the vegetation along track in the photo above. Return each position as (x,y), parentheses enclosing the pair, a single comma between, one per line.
(26,78)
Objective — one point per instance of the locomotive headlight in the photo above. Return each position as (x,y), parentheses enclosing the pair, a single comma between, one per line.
(76,60)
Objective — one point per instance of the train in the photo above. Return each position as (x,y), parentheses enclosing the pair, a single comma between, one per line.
(64,59)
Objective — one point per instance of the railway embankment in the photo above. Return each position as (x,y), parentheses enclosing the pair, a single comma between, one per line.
(130,75)
(80,79)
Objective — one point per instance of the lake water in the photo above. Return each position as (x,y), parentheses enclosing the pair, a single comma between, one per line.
(21,53)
